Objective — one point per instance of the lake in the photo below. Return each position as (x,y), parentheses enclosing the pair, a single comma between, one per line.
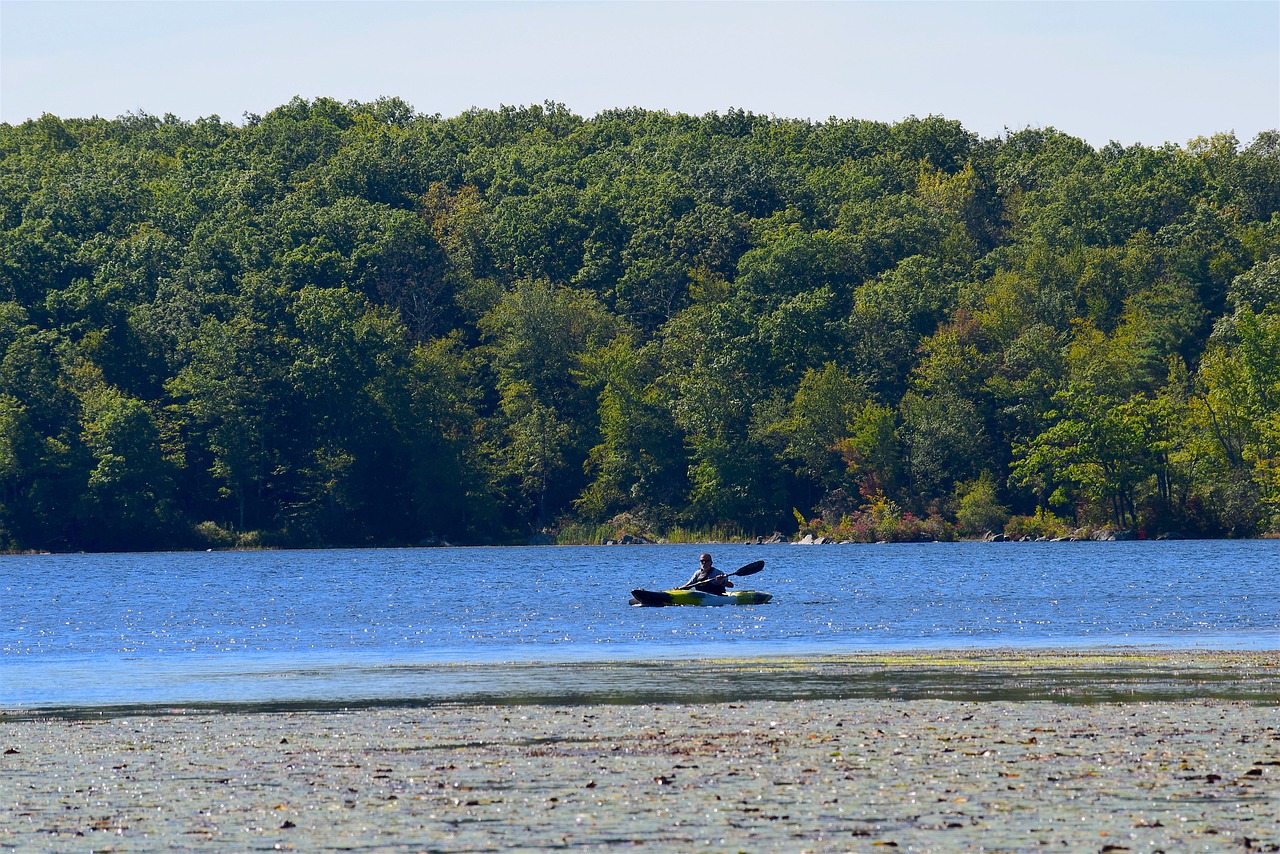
(388,625)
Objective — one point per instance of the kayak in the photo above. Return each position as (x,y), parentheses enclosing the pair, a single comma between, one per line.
(655,599)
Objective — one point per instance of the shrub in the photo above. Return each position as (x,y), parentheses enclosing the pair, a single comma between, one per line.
(980,509)
(1042,524)
(879,520)
(211,535)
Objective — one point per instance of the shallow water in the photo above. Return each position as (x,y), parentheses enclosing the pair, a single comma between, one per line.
(374,625)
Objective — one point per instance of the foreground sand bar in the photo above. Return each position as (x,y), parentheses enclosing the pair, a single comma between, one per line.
(1084,751)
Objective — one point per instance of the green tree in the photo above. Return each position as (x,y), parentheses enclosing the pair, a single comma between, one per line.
(535,452)
(1100,440)
(639,465)
(872,451)
(19,454)
(715,376)
(1239,406)
(225,401)
(129,500)
(819,418)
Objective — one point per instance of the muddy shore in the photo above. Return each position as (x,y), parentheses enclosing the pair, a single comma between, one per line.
(958,761)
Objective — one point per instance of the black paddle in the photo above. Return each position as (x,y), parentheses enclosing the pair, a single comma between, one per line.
(750,569)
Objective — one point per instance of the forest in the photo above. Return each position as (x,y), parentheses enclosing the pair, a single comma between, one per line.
(354,324)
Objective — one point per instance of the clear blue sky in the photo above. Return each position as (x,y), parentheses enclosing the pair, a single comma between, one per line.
(1134,72)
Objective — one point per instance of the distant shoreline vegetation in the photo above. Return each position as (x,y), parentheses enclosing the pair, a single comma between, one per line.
(352,324)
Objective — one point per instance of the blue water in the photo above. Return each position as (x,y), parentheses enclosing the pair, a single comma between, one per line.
(370,625)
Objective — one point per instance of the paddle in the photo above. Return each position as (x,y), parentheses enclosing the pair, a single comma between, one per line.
(750,569)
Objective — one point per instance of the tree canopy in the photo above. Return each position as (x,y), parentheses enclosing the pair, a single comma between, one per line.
(350,324)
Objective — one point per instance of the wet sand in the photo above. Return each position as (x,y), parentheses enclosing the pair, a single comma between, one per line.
(944,768)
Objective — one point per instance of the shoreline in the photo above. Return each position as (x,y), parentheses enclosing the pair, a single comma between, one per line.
(747,541)
(1184,772)
(1079,675)
(1076,675)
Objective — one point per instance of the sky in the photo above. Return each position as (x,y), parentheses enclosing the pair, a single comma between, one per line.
(1131,72)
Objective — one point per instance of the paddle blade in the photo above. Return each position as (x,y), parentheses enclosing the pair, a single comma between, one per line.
(750,569)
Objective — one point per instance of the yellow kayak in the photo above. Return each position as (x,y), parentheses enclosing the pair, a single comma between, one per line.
(653,599)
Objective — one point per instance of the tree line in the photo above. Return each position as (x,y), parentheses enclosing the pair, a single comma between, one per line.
(348,324)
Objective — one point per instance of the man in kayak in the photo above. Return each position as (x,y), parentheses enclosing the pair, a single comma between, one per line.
(708,579)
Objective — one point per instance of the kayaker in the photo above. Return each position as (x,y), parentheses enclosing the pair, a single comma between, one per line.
(708,579)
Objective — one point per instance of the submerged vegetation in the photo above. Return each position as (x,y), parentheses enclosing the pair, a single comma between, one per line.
(354,324)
